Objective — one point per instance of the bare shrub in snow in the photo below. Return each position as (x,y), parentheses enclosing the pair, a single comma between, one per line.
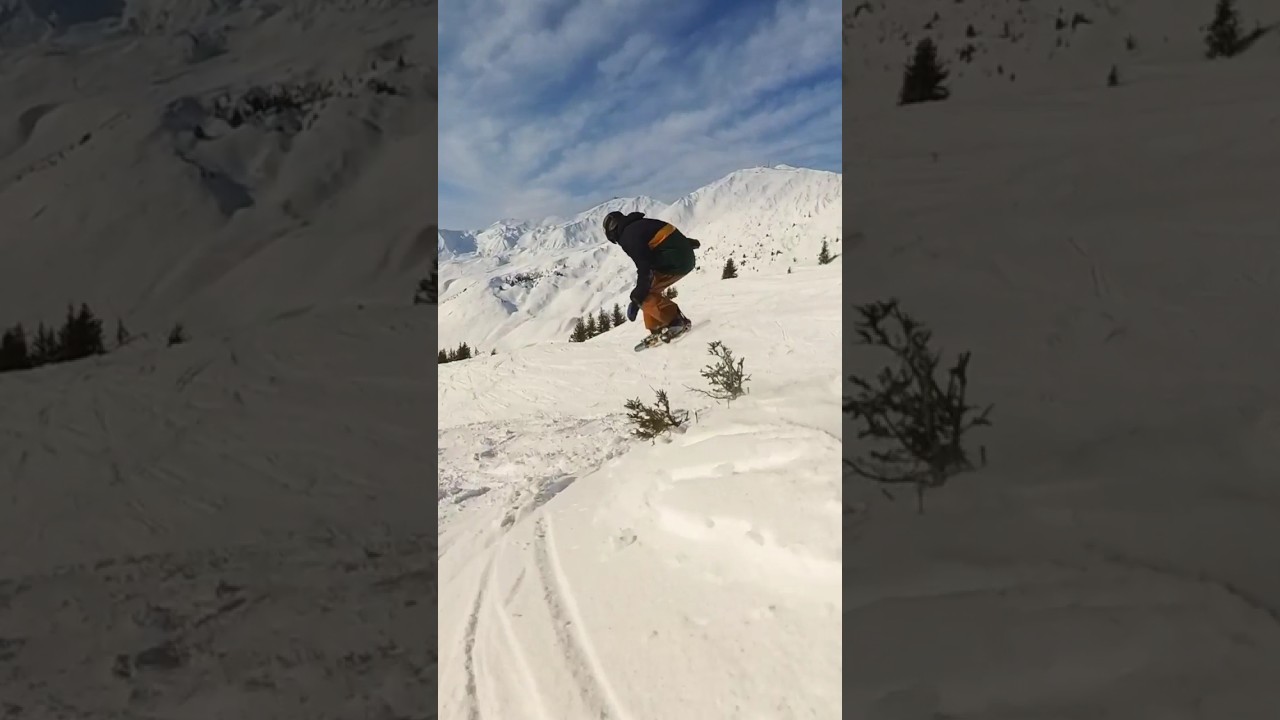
(725,375)
(923,421)
(650,421)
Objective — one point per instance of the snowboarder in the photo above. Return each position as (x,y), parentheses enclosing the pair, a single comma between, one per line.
(662,255)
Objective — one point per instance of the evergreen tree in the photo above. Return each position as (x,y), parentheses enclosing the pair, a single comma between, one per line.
(602,321)
(618,316)
(924,77)
(45,348)
(426,292)
(122,334)
(730,270)
(579,332)
(463,352)
(442,357)
(177,335)
(1222,36)
(14,354)
(824,255)
(592,329)
(81,334)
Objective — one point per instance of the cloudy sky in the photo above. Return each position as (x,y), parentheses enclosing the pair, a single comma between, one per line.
(549,107)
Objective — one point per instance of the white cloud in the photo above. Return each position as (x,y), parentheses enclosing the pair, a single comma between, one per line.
(548,107)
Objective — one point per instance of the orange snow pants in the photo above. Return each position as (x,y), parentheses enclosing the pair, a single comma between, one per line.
(658,310)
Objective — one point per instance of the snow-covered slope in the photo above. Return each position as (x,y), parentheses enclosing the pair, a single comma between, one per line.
(222,529)
(1017,48)
(585,574)
(125,184)
(514,284)
(231,527)
(1111,258)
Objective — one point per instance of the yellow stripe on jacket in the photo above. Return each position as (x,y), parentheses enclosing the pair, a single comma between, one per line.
(661,235)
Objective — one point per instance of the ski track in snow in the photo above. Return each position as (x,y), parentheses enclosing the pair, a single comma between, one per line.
(581,568)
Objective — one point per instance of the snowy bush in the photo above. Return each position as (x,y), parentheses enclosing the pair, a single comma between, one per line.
(1222,36)
(650,421)
(923,422)
(725,375)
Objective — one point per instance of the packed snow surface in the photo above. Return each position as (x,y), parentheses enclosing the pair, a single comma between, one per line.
(587,574)
(1111,256)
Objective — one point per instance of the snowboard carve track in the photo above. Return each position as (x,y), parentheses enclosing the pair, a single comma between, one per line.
(469,644)
(594,688)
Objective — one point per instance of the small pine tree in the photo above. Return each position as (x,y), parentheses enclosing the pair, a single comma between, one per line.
(425,294)
(730,270)
(493,351)
(442,357)
(924,422)
(924,78)
(603,322)
(671,293)
(1113,77)
(463,352)
(177,335)
(14,353)
(618,317)
(651,421)
(579,332)
(592,329)
(824,255)
(726,376)
(45,348)
(1222,36)
(122,334)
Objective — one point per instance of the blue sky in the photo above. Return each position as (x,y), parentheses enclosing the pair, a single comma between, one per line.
(549,107)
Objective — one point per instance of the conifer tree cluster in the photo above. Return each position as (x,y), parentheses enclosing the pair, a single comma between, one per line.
(80,336)
(462,352)
(595,324)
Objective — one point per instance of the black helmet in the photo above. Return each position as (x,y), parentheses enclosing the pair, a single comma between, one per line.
(612,224)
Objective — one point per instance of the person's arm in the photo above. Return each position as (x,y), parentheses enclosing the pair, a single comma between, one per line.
(637,246)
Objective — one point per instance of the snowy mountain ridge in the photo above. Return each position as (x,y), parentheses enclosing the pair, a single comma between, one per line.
(516,283)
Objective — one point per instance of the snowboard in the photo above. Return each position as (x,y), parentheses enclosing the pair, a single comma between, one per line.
(662,338)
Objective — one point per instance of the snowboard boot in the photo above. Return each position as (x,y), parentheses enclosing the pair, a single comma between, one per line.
(676,328)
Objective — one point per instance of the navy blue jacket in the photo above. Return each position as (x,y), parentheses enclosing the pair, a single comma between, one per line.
(655,246)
